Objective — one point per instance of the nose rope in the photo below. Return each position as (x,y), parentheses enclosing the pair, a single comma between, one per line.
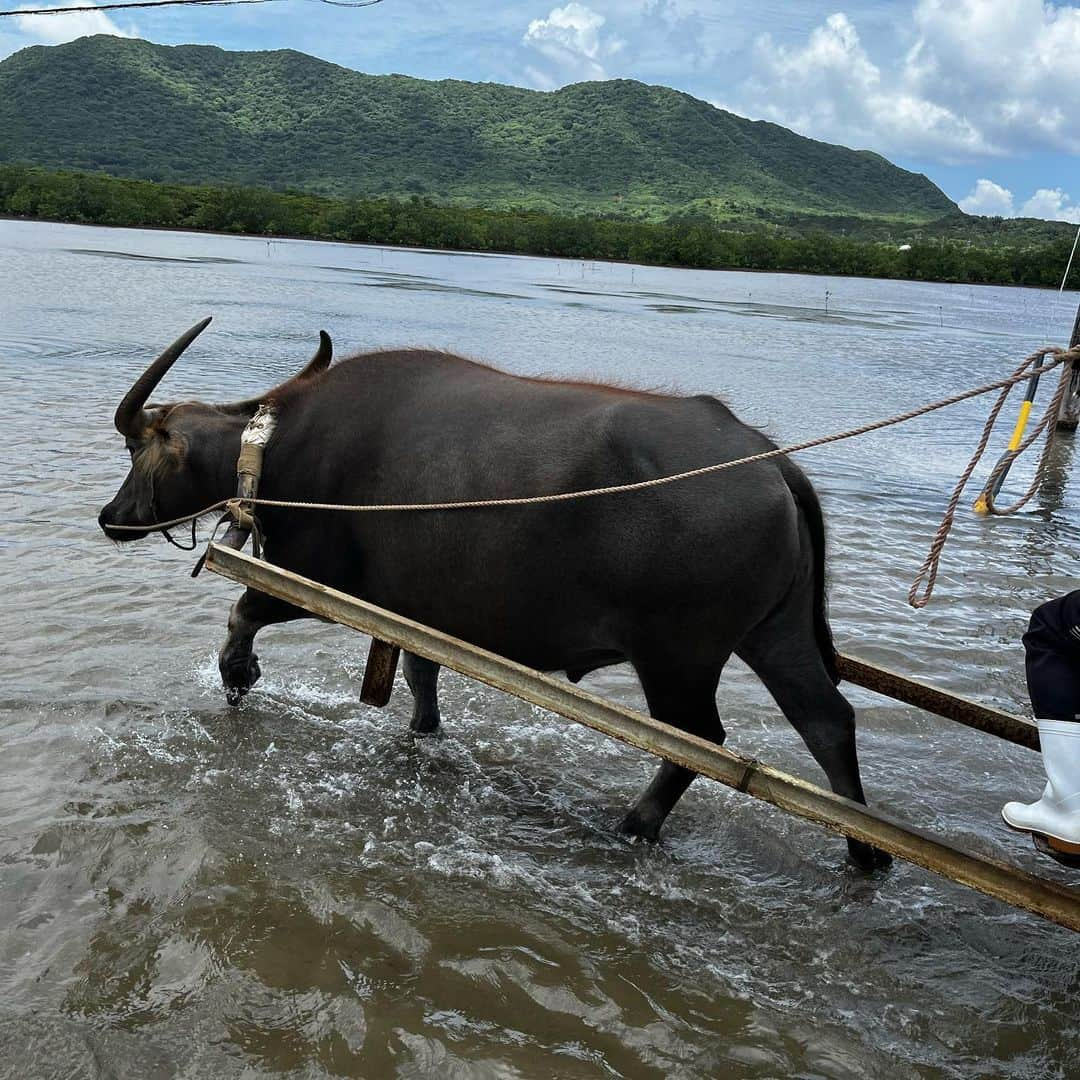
(164,531)
(176,543)
(1037,364)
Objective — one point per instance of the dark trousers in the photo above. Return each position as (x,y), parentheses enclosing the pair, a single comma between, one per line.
(1053,658)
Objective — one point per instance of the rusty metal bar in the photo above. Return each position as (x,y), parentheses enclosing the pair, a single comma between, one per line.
(912,692)
(1014,886)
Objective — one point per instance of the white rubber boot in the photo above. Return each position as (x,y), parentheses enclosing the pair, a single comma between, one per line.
(1057,813)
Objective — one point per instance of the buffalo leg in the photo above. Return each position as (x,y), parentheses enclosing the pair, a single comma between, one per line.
(238,664)
(788,661)
(423,678)
(688,703)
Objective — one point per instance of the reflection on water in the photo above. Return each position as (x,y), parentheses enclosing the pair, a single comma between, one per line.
(151,258)
(300,887)
(420,285)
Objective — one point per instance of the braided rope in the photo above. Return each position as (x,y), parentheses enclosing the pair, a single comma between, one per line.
(927,575)
(1038,363)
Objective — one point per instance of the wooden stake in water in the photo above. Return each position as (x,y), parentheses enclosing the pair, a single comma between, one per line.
(1069,413)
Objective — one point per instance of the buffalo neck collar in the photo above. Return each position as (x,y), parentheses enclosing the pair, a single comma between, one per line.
(260,427)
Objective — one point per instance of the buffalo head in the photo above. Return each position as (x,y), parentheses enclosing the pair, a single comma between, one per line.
(183,455)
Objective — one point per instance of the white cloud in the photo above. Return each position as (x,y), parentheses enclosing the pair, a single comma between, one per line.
(1052,204)
(988,199)
(58,29)
(1008,63)
(830,88)
(992,200)
(973,79)
(571,41)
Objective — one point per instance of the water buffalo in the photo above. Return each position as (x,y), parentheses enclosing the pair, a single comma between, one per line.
(673,579)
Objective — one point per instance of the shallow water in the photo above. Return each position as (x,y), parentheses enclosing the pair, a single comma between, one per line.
(300,887)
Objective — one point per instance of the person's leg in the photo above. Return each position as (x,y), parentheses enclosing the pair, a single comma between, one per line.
(1052,646)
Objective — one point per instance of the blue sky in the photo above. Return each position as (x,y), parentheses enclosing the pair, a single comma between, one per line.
(981,95)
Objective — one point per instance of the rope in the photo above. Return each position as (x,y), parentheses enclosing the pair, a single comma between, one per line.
(123,5)
(928,570)
(927,575)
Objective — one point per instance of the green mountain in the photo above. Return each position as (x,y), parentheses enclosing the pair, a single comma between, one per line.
(285,120)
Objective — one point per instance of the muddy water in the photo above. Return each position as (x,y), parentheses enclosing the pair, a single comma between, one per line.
(299,887)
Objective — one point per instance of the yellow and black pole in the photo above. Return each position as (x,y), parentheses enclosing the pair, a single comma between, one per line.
(1065,421)
(982,503)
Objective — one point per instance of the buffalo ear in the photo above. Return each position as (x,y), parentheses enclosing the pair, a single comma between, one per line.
(315,366)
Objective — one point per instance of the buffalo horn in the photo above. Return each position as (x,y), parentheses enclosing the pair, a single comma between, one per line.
(321,360)
(317,364)
(130,418)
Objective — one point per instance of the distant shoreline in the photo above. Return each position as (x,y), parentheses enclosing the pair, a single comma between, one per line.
(32,194)
(494,254)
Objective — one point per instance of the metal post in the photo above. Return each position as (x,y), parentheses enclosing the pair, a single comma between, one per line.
(1037,895)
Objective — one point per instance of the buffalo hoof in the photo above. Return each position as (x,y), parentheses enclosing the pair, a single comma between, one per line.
(867,858)
(424,723)
(641,826)
(238,676)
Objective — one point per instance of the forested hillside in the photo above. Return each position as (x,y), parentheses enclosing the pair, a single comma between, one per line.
(285,120)
(931,255)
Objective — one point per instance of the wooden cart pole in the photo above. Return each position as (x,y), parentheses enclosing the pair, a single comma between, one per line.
(1014,886)
(912,692)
